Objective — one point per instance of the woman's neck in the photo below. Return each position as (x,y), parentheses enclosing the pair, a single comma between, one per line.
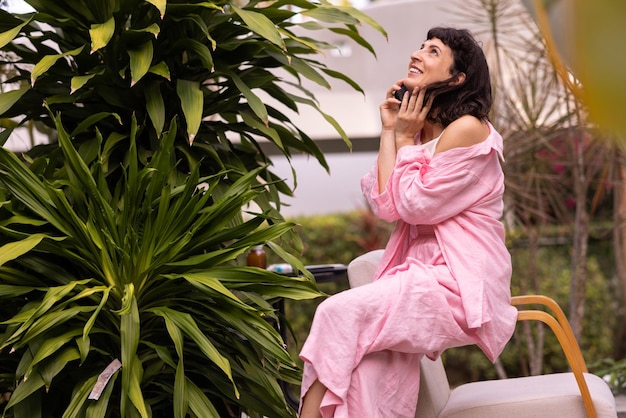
(430,131)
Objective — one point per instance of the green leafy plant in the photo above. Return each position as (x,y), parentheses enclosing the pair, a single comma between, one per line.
(121,242)
(613,372)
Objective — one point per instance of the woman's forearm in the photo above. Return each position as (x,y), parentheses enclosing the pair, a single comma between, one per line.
(386,157)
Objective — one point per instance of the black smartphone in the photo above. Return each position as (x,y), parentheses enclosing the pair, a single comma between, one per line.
(434,88)
(399,94)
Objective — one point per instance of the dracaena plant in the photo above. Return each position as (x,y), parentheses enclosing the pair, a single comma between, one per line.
(123,291)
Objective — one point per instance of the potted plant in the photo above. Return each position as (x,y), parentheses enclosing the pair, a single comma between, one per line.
(123,289)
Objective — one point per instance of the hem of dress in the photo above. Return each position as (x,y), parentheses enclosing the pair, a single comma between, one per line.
(330,400)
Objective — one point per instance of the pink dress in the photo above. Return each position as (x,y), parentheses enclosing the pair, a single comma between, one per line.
(443,282)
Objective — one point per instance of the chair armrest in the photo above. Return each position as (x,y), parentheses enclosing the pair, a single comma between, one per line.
(558,313)
(560,326)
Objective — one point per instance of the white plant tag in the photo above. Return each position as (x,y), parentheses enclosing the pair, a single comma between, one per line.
(104,378)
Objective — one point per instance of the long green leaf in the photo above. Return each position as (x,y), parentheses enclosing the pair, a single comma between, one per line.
(80,169)
(9,35)
(192,102)
(365,18)
(161,69)
(78,82)
(13,250)
(330,14)
(266,130)
(155,106)
(45,374)
(92,319)
(101,34)
(199,403)
(180,393)
(52,320)
(92,120)
(130,328)
(327,117)
(260,24)
(9,291)
(28,316)
(140,61)
(50,346)
(9,98)
(48,61)
(80,395)
(24,389)
(265,283)
(255,103)
(206,279)
(301,67)
(201,50)
(189,327)
(249,325)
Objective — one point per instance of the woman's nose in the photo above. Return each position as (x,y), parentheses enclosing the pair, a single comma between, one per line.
(416,56)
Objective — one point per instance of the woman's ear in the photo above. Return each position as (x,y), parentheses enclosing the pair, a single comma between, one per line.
(460,79)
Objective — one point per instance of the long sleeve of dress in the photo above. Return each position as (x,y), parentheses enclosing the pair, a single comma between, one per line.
(422,191)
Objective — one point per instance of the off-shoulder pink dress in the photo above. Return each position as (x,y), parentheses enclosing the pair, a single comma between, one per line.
(444,281)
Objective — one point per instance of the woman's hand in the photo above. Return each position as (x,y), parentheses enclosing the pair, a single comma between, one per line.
(389,108)
(411,116)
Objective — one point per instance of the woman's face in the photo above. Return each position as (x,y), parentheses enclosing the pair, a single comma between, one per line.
(431,63)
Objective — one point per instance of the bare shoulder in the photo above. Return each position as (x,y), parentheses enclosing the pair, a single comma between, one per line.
(463,132)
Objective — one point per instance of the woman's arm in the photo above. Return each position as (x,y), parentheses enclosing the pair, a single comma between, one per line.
(387,146)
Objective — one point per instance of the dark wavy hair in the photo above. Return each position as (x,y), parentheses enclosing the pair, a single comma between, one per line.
(473,96)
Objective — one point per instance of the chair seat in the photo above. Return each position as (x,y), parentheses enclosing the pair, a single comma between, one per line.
(550,395)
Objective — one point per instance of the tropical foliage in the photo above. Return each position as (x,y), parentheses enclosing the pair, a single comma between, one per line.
(121,242)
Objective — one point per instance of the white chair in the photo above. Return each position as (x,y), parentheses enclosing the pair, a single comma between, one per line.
(568,395)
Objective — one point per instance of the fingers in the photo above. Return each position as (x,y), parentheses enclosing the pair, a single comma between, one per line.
(413,105)
(396,87)
(414,102)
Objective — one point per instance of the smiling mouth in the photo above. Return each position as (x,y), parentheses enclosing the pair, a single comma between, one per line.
(414,70)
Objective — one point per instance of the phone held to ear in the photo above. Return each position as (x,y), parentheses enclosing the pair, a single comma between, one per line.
(434,88)
(399,94)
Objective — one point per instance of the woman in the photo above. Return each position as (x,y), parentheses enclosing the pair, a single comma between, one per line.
(444,276)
